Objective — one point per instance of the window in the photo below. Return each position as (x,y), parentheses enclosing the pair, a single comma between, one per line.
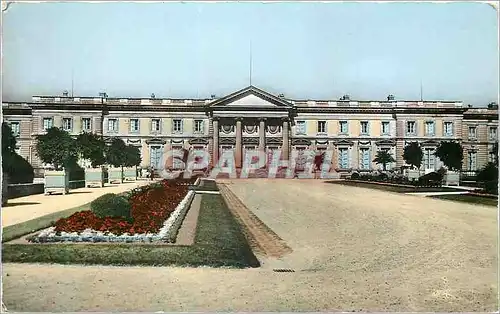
(177,126)
(471,161)
(364,127)
(16,128)
(155,125)
(156,156)
(300,127)
(410,128)
(429,160)
(343,127)
(134,125)
(429,128)
(47,123)
(343,158)
(198,126)
(68,124)
(472,132)
(448,128)
(385,128)
(112,125)
(364,160)
(493,133)
(321,126)
(86,124)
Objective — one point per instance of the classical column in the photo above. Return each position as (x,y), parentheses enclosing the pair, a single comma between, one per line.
(262,134)
(215,152)
(286,142)
(237,157)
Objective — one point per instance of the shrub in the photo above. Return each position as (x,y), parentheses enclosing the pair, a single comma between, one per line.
(491,187)
(382,177)
(355,176)
(18,169)
(488,176)
(110,205)
(431,179)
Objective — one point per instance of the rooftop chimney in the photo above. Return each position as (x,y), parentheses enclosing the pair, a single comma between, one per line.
(345,97)
(65,93)
(212,96)
(153,96)
(492,105)
(390,97)
(281,95)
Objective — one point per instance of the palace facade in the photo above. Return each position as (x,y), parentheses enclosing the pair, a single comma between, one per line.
(251,119)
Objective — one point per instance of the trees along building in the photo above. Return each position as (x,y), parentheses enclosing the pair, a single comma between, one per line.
(253,119)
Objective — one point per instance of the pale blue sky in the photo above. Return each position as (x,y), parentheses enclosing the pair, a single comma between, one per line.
(304,50)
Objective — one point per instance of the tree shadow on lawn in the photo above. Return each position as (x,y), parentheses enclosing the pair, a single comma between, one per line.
(219,242)
(468,198)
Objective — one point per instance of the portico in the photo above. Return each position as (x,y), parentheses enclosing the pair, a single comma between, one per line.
(247,120)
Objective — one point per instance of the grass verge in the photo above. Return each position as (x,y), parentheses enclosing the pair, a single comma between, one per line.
(16,231)
(394,188)
(219,242)
(10,233)
(469,198)
(207,185)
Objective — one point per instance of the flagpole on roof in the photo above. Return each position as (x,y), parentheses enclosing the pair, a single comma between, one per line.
(250,64)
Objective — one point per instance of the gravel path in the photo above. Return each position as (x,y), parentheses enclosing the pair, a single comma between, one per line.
(28,207)
(353,249)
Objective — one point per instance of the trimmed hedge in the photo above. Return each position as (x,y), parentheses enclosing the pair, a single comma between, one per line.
(431,179)
(110,205)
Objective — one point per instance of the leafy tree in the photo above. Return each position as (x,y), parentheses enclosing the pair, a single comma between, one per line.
(57,147)
(132,156)
(451,154)
(8,147)
(413,154)
(383,158)
(8,140)
(488,177)
(18,168)
(116,153)
(91,147)
(494,150)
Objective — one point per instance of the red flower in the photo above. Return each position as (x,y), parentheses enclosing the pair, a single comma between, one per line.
(150,207)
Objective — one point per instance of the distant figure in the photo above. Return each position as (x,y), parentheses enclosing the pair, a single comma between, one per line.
(152,173)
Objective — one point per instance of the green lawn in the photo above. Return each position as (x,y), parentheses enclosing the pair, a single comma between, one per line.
(469,198)
(16,231)
(219,242)
(393,188)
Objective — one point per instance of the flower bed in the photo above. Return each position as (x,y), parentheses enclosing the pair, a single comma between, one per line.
(157,212)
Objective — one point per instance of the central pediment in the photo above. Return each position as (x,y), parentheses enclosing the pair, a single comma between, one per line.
(251,97)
